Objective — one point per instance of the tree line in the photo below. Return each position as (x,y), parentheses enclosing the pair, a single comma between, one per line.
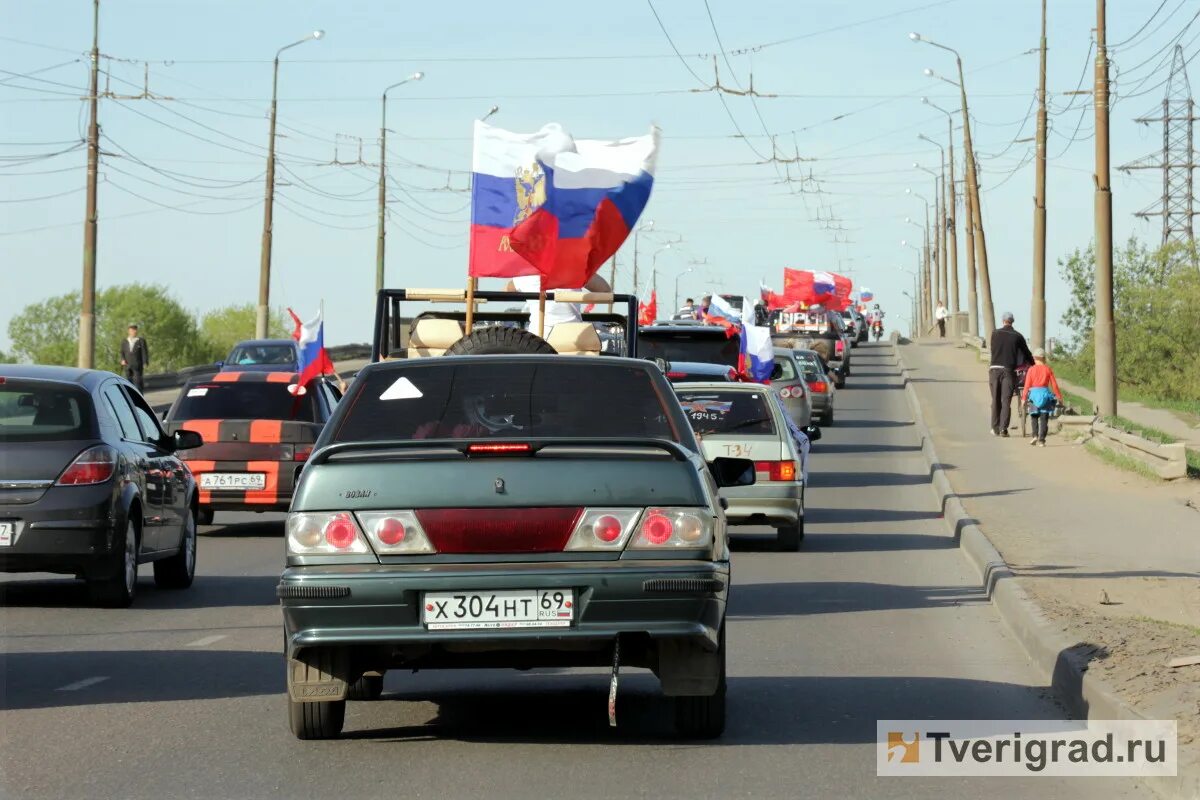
(1156,309)
(48,332)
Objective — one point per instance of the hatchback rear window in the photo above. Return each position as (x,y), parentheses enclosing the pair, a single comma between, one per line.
(243,400)
(34,411)
(734,413)
(689,346)
(506,400)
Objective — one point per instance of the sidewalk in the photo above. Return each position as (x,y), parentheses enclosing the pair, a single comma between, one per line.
(1111,557)
(1164,419)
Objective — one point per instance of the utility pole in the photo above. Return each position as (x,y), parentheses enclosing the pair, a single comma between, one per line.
(927,272)
(381,233)
(972,279)
(1038,306)
(1105,332)
(952,239)
(941,223)
(981,259)
(87,311)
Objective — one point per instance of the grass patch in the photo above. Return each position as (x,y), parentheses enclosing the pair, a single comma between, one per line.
(1192,629)
(1193,462)
(1121,461)
(1080,404)
(1145,431)
(1069,371)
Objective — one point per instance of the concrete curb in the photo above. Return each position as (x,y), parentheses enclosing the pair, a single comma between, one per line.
(1060,660)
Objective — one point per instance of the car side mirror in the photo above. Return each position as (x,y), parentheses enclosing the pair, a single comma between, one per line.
(812,432)
(732,471)
(777,372)
(187,440)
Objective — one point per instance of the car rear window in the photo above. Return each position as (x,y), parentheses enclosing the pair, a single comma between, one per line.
(689,346)
(37,411)
(734,413)
(787,368)
(243,400)
(280,354)
(506,400)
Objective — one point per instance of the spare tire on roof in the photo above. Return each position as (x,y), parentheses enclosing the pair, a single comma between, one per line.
(499,340)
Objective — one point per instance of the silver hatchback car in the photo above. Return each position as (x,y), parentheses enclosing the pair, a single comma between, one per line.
(821,388)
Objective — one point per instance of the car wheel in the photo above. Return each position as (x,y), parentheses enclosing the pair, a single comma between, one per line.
(789,537)
(118,590)
(178,571)
(703,717)
(204,516)
(497,340)
(368,687)
(316,720)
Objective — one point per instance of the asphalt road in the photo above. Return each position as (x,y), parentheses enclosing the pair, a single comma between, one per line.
(879,617)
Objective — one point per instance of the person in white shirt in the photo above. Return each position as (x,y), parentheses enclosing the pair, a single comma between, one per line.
(940,315)
(555,312)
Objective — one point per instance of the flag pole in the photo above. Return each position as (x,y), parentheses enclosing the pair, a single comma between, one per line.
(472,284)
(541,311)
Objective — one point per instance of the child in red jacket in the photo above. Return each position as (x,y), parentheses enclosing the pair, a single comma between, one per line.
(1042,394)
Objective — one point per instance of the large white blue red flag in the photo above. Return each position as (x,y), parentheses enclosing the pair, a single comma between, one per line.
(757,358)
(314,360)
(548,204)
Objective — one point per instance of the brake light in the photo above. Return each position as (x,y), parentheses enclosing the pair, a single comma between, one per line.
(785,392)
(94,465)
(340,532)
(776,470)
(839,347)
(395,532)
(820,387)
(670,528)
(673,374)
(302,452)
(499,448)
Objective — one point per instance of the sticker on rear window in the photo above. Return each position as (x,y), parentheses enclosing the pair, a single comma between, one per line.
(402,389)
(198,392)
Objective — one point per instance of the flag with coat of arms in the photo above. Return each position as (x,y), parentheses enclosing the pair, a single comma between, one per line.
(310,336)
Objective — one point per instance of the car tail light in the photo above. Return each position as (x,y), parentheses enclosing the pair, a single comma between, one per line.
(544,529)
(94,465)
(673,528)
(785,392)
(603,529)
(776,470)
(498,448)
(820,387)
(395,532)
(676,375)
(325,533)
(302,452)
(839,347)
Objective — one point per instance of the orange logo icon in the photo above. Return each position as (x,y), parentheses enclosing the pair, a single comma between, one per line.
(902,749)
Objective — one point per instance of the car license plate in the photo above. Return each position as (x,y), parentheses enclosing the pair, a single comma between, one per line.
(519,608)
(233,481)
(6,533)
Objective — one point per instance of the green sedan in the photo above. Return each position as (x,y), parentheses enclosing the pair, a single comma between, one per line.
(507,511)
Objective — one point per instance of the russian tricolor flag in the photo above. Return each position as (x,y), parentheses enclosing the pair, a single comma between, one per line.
(547,204)
(314,360)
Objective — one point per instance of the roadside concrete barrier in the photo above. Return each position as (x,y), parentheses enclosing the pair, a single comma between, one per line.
(1168,461)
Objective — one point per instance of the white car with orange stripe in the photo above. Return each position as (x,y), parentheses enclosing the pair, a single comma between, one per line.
(748,420)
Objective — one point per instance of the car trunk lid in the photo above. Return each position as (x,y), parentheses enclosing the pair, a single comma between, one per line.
(28,469)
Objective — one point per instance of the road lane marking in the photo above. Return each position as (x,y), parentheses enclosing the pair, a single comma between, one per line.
(206,641)
(83,684)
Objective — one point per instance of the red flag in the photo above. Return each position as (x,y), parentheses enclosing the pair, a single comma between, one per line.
(648,312)
(299,325)
(817,288)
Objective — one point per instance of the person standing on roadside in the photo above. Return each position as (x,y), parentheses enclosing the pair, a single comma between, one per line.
(135,357)
(1009,351)
(1042,393)
(940,315)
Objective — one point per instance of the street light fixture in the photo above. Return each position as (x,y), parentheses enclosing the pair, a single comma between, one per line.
(677,277)
(645,226)
(491,112)
(264,267)
(382,231)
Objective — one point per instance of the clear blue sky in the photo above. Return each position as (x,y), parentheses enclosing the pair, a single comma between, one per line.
(849,97)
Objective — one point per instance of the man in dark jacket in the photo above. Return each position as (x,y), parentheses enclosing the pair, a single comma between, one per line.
(135,357)
(1009,351)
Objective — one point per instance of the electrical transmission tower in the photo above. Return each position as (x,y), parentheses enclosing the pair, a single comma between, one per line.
(1177,160)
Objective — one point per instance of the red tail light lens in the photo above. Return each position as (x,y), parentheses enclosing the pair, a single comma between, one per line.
(657,528)
(785,392)
(340,532)
(92,466)
(499,530)
(607,528)
(674,375)
(303,451)
(776,470)
(325,533)
(839,347)
(603,529)
(820,387)
(395,533)
(670,528)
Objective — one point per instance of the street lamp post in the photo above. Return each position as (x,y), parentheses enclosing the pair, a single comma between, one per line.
(677,277)
(939,239)
(382,232)
(929,258)
(951,230)
(985,283)
(264,267)
(919,317)
(654,267)
(647,225)
(949,299)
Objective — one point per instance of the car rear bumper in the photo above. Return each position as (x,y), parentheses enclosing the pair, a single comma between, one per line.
(68,530)
(276,495)
(773,504)
(381,604)
(820,403)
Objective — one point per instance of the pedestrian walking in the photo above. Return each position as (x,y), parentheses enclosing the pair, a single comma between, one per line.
(940,315)
(1042,394)
(135,357)
(1009,351)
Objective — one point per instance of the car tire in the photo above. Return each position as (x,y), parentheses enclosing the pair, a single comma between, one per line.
(178,571)
(497,340)
(703,716)
(368,687)
(316,720)
(204,516)
(119,589)
(789,537)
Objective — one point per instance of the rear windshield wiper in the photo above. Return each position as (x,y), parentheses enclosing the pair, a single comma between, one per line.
(746,424)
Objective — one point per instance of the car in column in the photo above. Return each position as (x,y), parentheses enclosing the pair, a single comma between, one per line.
(90,484)
(258,429)
(821,388)
(507,511)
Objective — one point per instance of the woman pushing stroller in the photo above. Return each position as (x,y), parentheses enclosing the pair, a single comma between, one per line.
(1041,394)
